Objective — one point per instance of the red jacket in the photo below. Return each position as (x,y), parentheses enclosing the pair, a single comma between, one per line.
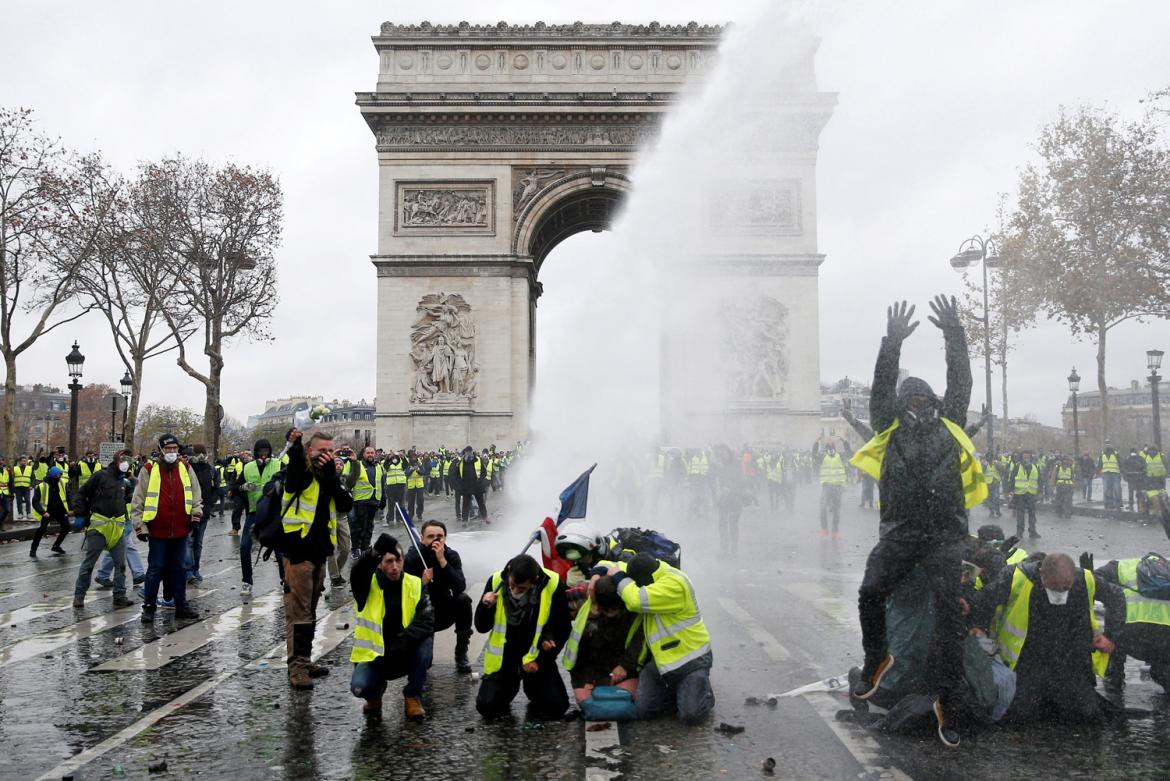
(172,521)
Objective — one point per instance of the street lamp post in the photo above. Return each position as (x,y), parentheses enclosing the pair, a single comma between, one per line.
(74,360)
(127,384)
(1154,362)
(983,251)
(1074,385)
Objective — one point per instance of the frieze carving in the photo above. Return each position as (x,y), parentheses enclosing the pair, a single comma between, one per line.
(754,337)
(442,351)
(542,30)
(761,206)
(445,207)
(591,135)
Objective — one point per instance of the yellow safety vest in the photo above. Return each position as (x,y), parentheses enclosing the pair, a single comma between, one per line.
(869,460)
(671,621)
(252,474)
(1028,480)
(86,471)
(300,509)
(699,464)
(362,488)
(23,477)
(415,480)
(488,467)
(447,466)
(435,469)
(110,528)
(1018,555)
(1155,466)
(43,490)
(1140,609)
(1013,631)
(1109,464)
(658,467)
(776,471)
(1064,475)
(154,483)
(368,643)
(3,482)
(493,652)
(569,659)
(395,475)
(40,471)
(832,470)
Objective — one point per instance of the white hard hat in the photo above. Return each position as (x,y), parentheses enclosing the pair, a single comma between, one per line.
(577,538)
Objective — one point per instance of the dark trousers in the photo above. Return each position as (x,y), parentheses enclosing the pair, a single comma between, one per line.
(1025,504)
(464,506)
(867,485)
(1055,697)
(831,505)
(888,563)
(166,559)
(456,612)
(395,494)
(544,689)
(411,663)
(4,505)
(362,529)
(1064,499)
(63,532)
(239,507)
(690,696)
(414,502)
(23,506)
(1149,643)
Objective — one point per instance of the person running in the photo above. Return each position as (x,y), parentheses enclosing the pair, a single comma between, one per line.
(51,503)
(101,509)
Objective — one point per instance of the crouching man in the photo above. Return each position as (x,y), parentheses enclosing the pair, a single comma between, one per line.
(441,571)
(524,608)
(393,629)
(678,673)
(606,645)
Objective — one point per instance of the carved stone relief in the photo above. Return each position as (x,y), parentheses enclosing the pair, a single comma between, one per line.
(762,206)
(442,208)
(754,348)
(442,351)
(391,136)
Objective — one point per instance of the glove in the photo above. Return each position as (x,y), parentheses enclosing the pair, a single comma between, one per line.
(78,523)
(1087,560)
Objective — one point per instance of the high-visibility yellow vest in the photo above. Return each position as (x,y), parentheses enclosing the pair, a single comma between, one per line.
(1155,466)
(990,474)
(415,480)
(40,471)
(699,464)
(776,471)
(870,456)
(1109,464)
(1018,555)
(447,466)
(154,483)
(300,509)
(110,528)
(219,473)
(1013,631)
(658,466)
(86,470)
(395,474)
(434,469)
(671,621)
(253,474)
(1140,609)
(368,643)
(22,476)
(1028,479)
(832,470)
(4,474)
(43,490)
(1064,475)
(488,468)
(362,488)
(493,652)
(475,464)
(234,468)
(569,659)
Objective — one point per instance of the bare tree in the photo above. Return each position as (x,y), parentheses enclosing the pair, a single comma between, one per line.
(52,207)
(219,227)
(1088,223)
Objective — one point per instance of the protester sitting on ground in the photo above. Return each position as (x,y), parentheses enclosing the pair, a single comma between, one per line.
(606,646)
(523,608)
(1049,635)
(393,630)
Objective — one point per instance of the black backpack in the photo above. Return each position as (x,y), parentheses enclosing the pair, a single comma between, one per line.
(1153,577)
(649,541)
(267,529)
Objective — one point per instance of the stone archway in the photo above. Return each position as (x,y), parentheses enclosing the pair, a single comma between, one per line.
(494,144)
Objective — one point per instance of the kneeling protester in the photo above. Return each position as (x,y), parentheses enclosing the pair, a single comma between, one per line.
(393,631)
(606,649)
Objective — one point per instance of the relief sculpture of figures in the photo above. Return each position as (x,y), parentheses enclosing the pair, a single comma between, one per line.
(754,339)
(443,350)
(444,208)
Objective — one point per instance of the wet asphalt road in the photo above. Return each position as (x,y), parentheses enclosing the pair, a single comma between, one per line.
(210,697)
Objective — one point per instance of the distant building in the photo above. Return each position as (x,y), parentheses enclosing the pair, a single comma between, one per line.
(351,422)
(1131,416)
(281,412)
(42,417)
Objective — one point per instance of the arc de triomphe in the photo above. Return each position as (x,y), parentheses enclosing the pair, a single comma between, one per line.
(496,142)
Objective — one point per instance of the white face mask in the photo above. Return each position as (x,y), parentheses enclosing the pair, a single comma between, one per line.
(124,466)
(1057,597)
(170,458)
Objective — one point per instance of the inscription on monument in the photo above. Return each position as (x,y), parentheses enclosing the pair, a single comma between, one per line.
(754,347)
(391,136)
(770,207)
(442,351)
(443,208)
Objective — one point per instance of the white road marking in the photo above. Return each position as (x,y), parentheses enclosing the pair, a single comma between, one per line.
(35,610)
(51,641)
(171,646)
(772,647)
(599,749)
(42,573)
(836,607)
(325,639)
(862,746)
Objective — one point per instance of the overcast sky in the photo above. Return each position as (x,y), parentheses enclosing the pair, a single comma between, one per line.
(938,103)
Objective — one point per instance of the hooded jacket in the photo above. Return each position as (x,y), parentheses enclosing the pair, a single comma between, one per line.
(107,493)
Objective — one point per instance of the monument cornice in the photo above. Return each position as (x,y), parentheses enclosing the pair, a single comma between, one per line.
(497,132)
(653,31)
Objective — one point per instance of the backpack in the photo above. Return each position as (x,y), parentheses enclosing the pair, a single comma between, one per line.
(649,541)
(267,530)
(1153,577)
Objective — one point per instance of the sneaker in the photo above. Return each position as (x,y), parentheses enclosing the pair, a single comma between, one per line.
(104,582)
(948,728)
(1035,535)
(123,602)
(79,602)
(871,677)
(246,590)
(196,576)
(234,533)
(355,555)
(169,604)
(824,533)
(139,579)
(838,536)
(57,551)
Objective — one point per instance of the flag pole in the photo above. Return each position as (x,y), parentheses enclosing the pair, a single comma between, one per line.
(406,528)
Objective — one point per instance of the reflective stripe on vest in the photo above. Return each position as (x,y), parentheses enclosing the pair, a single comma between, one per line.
(569,659)
(395,475)
(368,642)
(415,480)
(300,510)
(493,652)
(154,485)
(832,470)
(1013,631)
(362,488)
(1109,464)
(869,460)
(672,644)
(1064,475)
(1027,479)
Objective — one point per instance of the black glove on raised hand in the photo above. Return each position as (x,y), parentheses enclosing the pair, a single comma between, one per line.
(1087,560)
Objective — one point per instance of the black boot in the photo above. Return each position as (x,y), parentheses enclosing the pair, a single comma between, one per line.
(299,663)
(462,640)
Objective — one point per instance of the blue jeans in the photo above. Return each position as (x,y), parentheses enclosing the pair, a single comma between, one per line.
(1112,491)
(195,546)
(691,696)
(368,677)
(246,551)
(133,560)
(165,559)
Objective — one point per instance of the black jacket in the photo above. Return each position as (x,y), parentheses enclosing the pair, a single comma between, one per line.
(921,483)
(464,478)
(106,493)
(317,546)
(518,639)
(205,474)
(449,581)
(395,637)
